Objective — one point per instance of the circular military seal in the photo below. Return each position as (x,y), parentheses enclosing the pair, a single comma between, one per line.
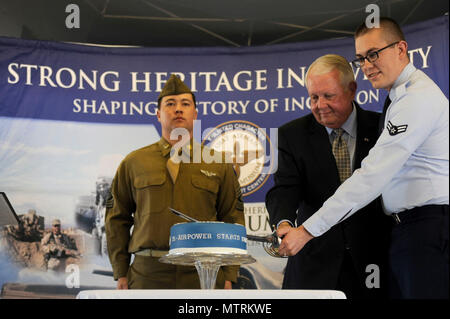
(244,144)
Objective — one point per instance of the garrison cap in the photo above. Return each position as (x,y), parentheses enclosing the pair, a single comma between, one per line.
(174,86)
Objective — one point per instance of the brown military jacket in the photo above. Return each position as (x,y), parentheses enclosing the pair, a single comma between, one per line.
(143,191)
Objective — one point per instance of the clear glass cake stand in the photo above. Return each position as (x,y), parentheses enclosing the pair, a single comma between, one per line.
(207,264)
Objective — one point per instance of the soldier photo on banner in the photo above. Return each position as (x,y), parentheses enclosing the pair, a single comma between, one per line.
(59,249)
(30,245)
(90,213)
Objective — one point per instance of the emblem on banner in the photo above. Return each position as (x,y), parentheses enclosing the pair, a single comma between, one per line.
(244,144)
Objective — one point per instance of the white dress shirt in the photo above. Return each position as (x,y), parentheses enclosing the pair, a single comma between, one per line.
(409,164)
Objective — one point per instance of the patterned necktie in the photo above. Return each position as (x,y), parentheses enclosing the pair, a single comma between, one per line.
(340,152)
(387,102)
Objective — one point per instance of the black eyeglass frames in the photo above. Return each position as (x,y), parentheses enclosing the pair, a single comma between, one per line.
(371,56)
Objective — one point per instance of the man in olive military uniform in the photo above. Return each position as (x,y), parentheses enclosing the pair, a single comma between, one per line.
(58,247)
(152,179)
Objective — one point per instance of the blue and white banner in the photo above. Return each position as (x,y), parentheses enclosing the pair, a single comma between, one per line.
(69,113)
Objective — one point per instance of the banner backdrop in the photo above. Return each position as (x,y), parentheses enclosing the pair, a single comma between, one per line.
(70,113)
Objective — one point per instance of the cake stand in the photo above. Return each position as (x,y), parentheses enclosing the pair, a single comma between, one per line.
(207,264)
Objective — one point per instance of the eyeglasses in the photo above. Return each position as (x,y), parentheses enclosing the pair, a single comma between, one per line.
(371,56)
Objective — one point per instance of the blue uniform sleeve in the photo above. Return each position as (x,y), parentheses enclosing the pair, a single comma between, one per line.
(409,121)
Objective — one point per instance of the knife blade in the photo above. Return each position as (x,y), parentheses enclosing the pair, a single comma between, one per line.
(180,214)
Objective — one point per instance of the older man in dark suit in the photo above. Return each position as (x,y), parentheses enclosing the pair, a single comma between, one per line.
(316,153)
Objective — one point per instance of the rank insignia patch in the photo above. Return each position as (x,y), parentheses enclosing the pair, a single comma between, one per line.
(394,130)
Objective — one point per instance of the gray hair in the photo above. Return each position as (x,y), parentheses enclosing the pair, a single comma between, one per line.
(330,62)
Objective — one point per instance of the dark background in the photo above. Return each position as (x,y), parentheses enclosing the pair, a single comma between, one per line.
(168,23)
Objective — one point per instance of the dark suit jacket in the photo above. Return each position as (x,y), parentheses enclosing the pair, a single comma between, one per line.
(307,175)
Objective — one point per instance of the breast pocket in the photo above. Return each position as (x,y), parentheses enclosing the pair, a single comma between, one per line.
(151,193)
(204,197)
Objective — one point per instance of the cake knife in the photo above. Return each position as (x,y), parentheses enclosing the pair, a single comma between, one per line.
(184,216)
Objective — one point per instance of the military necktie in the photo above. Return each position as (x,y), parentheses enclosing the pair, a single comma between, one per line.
(173,165)
(387,102)
(341,154)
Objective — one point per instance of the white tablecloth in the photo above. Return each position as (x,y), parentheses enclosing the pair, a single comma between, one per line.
(210,294)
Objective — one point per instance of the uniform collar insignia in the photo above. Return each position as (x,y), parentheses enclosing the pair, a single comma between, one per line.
(164,146)
(186,149)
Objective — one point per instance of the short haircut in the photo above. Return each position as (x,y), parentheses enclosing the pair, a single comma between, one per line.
(330,62)
(193,99)
(392,33)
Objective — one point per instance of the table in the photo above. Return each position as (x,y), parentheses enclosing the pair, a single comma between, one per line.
(210,294)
